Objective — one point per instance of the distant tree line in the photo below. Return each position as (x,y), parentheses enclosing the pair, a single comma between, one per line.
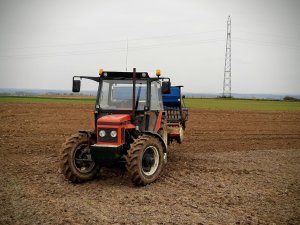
(290,98)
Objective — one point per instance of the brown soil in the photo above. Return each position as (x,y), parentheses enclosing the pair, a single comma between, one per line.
(234,167)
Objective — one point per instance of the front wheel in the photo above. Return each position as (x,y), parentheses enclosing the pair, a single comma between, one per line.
(145,159)
(76,162)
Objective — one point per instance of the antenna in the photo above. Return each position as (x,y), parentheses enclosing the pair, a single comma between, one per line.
(227,68)
(126,54)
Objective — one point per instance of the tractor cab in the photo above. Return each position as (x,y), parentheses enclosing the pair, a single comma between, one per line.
(133,94)
(120,93)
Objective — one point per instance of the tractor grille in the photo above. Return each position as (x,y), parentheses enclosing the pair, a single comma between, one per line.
(108,137)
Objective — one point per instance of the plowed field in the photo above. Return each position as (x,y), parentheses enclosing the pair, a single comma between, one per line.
(234,167)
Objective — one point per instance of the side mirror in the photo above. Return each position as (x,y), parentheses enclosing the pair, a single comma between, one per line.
(76,85)
(183,96)
(166,87)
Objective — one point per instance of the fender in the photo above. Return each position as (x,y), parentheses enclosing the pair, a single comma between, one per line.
(165,147)
(89,133)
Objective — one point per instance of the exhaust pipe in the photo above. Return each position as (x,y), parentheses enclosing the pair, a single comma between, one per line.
(133,94)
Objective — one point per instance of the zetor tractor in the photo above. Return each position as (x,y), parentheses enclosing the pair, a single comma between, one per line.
(136,117)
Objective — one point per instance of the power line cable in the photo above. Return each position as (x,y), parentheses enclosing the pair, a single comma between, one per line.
(267,43)
(114,41)
(138,47)
(272,35)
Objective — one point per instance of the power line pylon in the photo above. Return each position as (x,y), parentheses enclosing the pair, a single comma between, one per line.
(227,68)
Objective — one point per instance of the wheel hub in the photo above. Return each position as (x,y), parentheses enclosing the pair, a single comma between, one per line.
(82,159)
(150,160)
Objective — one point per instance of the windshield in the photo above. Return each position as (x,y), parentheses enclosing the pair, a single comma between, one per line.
(117,94)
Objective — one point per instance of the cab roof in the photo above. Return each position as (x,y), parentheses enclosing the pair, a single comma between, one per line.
(113,74)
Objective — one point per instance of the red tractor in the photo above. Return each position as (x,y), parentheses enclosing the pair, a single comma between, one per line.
(133,126)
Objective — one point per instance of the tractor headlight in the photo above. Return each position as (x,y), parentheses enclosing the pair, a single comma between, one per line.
(113,133)
(102,133)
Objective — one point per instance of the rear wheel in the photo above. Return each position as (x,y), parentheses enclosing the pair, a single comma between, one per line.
(76,162)
(179,139)
(145,160)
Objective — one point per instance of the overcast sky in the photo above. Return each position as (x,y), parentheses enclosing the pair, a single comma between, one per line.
(44,43)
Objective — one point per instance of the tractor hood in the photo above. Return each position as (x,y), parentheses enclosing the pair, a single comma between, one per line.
(114,119)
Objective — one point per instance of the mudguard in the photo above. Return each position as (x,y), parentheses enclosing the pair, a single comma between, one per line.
(165,146)
(89,133)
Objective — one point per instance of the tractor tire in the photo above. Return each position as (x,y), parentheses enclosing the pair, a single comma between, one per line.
(145,160)
(181,135)
(75,162)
